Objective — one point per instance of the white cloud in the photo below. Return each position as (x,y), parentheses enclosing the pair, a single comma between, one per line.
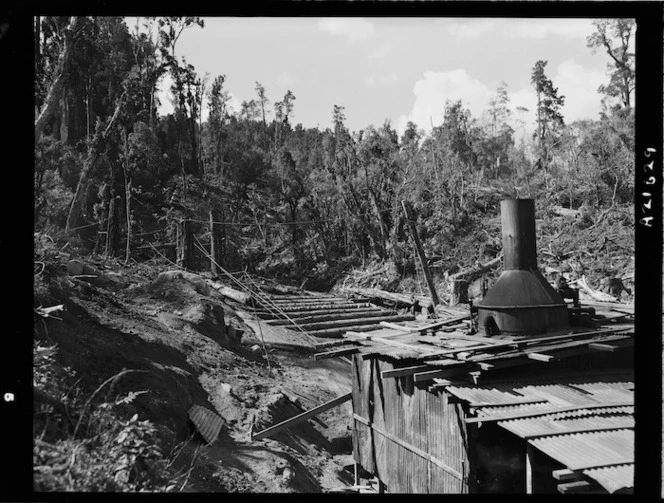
(381,52)
(354,29)
(381,80)
(471,29)
(285,79)
(435,88)
(579,86)
(542,28)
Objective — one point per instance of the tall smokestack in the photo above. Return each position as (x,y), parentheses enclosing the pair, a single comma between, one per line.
(517,218)
(521,301)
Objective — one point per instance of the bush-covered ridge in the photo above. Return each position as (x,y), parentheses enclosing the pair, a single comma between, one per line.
(256,192)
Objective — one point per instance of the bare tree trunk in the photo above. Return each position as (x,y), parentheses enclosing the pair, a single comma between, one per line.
(127,180)
(214,244)
(111,228)
(422,256)
(55,90)
(92,157)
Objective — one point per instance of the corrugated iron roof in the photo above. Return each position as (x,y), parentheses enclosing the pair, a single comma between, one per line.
(207,422)
(613,478)
(595,449)
(596,438)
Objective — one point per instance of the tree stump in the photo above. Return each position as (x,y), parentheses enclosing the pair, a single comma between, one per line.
(458,291)
(112,228)
(184,244)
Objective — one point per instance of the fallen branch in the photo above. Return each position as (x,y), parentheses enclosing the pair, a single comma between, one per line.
(470,274)
(594,293)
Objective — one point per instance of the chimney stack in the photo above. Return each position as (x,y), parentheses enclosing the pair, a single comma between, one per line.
(521,302)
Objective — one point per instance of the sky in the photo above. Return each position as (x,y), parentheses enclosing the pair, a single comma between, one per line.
(398,69)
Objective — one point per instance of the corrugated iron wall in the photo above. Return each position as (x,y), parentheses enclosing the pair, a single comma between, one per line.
(413,440)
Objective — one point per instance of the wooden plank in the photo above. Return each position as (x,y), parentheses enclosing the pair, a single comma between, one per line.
(446,372)
(394,326)
(565,475)
(532,340)
(432,326)
(519,415)
(540,357)
(408,446)
(335,353)
(611,347)
(404,371)
(611,305)
(272,430)
(563,350)
(615,317)
(440,383)
(524,401)
(390,342)
(580,486)
(332,344)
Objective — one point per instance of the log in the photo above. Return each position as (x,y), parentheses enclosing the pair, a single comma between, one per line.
(472,273)
(325,316)
(87,273)
(236,295)
(565,212)
(313,313)
(339,332)
(374,293)
(422,256)
(352,322)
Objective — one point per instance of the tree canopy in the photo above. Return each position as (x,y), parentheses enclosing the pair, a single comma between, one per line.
(120,179)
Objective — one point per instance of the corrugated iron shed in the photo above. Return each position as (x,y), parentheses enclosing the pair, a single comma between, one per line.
(585,422)
(592,414)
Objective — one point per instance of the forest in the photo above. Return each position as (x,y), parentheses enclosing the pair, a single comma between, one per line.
(250,190)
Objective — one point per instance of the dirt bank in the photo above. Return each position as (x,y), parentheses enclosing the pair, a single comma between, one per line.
(148,345)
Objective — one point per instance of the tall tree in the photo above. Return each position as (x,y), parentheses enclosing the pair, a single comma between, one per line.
(615,36)
(549,117)
(262,101)
(499,135)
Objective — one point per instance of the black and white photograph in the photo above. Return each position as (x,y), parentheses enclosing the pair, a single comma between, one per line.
(347,253)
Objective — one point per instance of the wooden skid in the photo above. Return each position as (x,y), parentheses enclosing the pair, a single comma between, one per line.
(314,312)
(352,322)
(322,316)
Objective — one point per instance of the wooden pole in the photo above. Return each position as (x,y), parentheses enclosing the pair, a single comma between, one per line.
(529,468)
(423,258)
(214,245)
(272,430)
